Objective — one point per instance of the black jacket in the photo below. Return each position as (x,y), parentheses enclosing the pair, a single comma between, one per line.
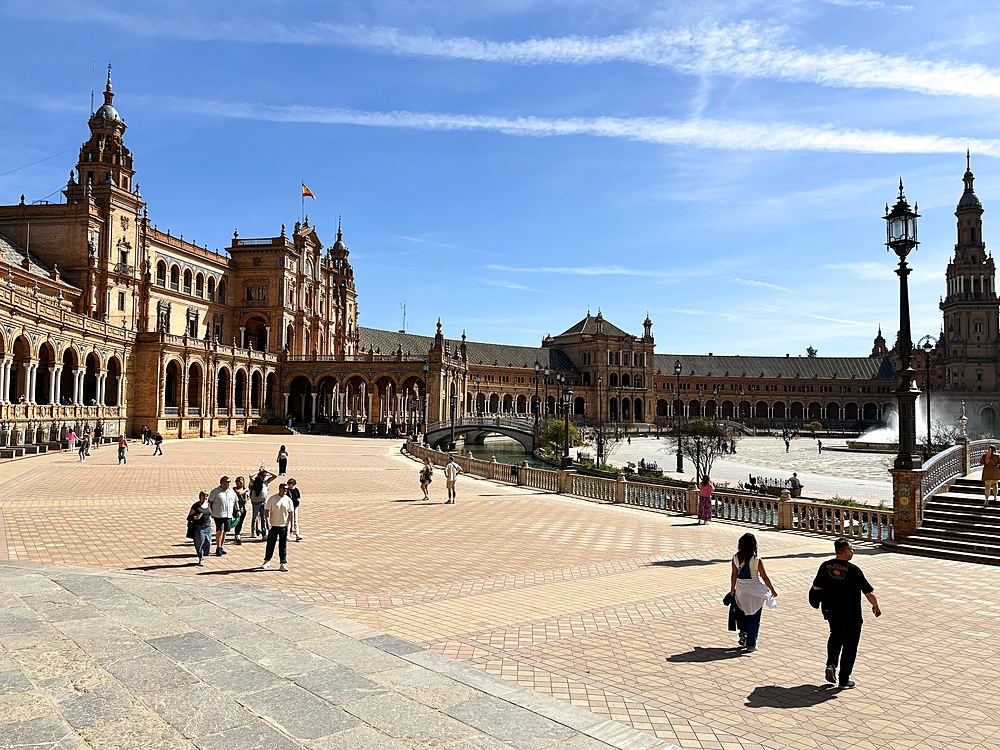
(737,619)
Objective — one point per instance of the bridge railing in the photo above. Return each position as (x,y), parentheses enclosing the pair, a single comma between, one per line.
(511,423)
(871,524)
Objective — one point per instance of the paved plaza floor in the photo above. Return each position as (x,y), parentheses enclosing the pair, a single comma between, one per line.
(613,609)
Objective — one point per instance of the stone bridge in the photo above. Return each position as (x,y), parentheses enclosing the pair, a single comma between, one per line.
(475,430)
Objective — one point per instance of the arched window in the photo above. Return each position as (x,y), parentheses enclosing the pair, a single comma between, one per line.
(161,274)
(222,292)
(199,285)
(175,278)
(187,282)
(211,287)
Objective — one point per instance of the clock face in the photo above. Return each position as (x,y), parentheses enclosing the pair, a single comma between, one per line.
(124,222)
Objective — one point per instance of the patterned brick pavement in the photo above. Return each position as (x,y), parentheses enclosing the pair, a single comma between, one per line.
(611,608)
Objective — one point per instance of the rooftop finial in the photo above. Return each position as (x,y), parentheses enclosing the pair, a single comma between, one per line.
(340,231)
(108,87)
(901,188)
(968,160)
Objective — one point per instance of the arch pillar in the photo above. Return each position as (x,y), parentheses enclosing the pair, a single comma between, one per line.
(5,366)
(57,383)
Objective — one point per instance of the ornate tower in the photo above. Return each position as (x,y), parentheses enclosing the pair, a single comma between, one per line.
(971,309)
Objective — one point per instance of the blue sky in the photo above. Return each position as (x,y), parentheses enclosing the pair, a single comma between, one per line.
(509,165)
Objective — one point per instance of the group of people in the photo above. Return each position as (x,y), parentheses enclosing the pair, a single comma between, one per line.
(451,472)
(225,509)
(149,437)
(836,590)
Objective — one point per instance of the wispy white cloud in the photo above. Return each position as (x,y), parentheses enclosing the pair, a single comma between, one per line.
(744,136)
(749,49)
(425,241)
(508,285)
(813,316)
(870,5)
(575,270)
(761,284)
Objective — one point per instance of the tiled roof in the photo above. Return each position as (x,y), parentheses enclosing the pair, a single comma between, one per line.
(702,365)
(14,256)
(589,325)
(501,355)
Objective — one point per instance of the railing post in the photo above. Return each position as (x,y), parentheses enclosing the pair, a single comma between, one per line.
(907,499)
(565,481)
(621,489)
(784,519)
(522,474)
(691,500)
(963,440)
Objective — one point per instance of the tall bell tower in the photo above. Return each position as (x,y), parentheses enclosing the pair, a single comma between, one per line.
(971,309)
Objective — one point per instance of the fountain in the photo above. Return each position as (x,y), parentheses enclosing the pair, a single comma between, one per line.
(885,438)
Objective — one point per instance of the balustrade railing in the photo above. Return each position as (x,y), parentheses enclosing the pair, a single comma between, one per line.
(860,523)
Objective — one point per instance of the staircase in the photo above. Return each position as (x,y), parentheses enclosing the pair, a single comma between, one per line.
(957,526)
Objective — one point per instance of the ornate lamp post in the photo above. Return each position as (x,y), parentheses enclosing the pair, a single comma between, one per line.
(600,422)
(479,380)
(677,422)
(567,405)
(715,402)
(907,482)
(547,372)
(427,369)
(901,233)
(538,367)
(926,344)
(454,408)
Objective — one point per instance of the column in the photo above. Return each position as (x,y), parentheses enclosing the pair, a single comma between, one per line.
(243,337)
(287,397)
(57,380)
(302,406)
(100,389)
(5,381)
(52,385)
(268,347)
(119,386)
(26,386)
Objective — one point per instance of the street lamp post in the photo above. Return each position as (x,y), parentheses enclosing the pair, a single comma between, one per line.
(547,372)
(567,404)
(677,422)
(427,370)
(414,410)
(479,380)
(454,408)
(926,344)
(537,368)
(901,238)
(600,422)
(715,402)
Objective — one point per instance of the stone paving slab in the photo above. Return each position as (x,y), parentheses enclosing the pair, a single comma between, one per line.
(103,682)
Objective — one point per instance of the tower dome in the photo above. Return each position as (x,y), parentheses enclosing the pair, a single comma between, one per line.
(969,199)
(107,110)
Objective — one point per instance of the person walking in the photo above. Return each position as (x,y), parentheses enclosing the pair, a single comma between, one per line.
(242,493)
(451,472)
(71,438)
(296,496)
(200,520)
(279,512)
(426,477)
(837,587)
(751,587)
(158,444)
(705,490)
(84,447)
(223,500)
(88,437)
(819,444)
(282,461)
(991,473)
(122,447)
(258,497)
(98,434)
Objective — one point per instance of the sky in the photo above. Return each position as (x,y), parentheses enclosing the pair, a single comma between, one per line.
(508,166)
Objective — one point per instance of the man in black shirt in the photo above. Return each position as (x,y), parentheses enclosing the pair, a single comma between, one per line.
(838,584)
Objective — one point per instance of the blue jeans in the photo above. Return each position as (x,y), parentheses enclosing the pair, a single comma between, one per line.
(753,628)
(202,541)
(258,513)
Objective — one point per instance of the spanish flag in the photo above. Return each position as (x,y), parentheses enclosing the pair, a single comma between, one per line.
(307,193)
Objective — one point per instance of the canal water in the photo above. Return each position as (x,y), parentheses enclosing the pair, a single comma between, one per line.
(507,451)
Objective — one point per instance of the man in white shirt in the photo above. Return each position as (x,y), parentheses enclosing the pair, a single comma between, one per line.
(451,472)
(279,512)
(223,500)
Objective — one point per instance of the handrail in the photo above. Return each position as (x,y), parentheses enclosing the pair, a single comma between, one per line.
(522,425)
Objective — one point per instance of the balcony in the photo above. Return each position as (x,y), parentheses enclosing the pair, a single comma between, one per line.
(171,411)
(124,269)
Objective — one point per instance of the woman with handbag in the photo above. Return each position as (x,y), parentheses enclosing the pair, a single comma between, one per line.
(991,473)
(200,527)
(426,477)
(752,589)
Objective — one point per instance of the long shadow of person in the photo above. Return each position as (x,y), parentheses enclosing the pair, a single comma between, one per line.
(699,654)
(798,696)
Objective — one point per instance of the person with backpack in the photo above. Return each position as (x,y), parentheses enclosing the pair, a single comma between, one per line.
(158,443)
(98,434)
(426,477)
(258,496)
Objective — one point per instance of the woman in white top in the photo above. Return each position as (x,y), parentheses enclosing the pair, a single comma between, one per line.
(747,585)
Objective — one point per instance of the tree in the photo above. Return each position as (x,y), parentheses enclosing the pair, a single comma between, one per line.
(554,434)
(810,352)
(813,427)
(702,442)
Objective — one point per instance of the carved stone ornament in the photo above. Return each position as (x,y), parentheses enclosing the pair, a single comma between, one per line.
(124,222)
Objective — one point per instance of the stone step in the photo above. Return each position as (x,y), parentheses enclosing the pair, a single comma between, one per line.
(959,524)
(924,549)
(976,544)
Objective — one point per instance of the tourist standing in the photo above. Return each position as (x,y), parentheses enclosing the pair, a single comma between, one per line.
(751,587)
(158,444)
(426,477)
(122,447)
(87,437)
(241,509)
(282,461)
(71,438)
(451,472)
(223,500)
(705,490)
(258,496)
(296,497)
(200,518)
(991,472)
(98,434)
(279,511)
(838,585)
(84,447)
(819,445)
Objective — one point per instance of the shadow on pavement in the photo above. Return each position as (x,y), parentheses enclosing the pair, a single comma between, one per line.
(698,654)
(800,696)
(193,563)
(231,571)
(688,563)
(170,557)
